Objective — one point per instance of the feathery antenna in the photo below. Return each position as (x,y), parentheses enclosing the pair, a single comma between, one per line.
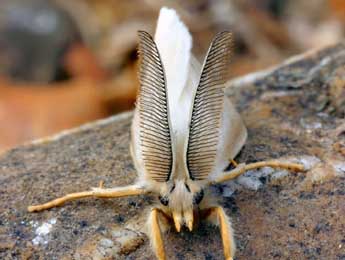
(152,103)
(207,108)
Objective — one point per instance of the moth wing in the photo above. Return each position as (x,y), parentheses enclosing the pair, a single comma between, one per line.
(233,136)
(134,147)
(174,43)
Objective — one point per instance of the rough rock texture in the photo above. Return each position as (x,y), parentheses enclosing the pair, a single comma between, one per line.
(293,112)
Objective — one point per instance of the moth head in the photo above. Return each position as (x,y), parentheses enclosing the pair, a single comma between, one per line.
(181,199)
(179,161)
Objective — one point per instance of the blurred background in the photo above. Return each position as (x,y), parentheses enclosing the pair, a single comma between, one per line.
(64,63)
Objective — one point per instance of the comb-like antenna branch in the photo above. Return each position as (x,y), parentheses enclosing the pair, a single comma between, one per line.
(152,104)
(208,108)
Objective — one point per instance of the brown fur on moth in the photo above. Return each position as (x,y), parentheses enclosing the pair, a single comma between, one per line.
(184,133)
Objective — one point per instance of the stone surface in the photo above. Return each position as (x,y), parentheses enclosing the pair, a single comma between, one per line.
(292,113)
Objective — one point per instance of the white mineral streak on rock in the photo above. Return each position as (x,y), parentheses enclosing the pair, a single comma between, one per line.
(339,167)
(279,174)
(106,243)
(308,161)
(250,181)
(276,94)
(329,168)
(320,173)
(42,232)
(310,125)
(228,191)
(33,224)
(116,244)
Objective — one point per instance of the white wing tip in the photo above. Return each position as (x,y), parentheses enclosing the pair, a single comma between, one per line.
(174,44)
(169,22)
(168,15)
(166,11)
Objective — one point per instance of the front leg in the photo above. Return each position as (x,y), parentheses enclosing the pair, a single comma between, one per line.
(216,215)
(130,190)
(242,168)
(155,233)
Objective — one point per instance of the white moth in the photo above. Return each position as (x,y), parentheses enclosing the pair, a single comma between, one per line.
(184,133)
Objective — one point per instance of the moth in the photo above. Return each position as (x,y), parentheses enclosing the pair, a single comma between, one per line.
(184,133)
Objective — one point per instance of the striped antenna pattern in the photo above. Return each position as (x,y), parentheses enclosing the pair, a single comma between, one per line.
(155,137)
(207,109)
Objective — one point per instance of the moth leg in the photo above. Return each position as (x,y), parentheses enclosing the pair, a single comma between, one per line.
(130,190)
(155,233)
(217,216)
(233,162)
(242,168)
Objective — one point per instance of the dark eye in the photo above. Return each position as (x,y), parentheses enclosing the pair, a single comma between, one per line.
(198,197)
(164,200)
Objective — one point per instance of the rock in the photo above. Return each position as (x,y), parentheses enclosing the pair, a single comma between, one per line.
(6,244)
(288,216)
(117,243)
(337,91)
